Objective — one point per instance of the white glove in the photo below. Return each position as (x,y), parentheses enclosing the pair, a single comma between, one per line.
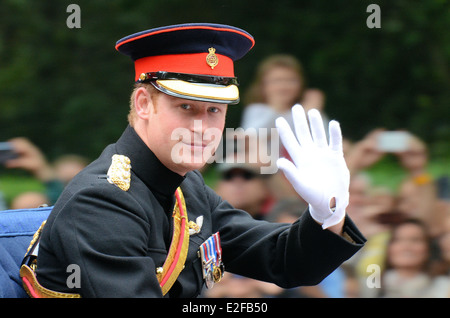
(318,172)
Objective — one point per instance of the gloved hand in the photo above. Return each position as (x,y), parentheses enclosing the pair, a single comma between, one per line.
(318,172)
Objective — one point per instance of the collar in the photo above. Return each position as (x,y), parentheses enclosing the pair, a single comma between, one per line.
(147,166)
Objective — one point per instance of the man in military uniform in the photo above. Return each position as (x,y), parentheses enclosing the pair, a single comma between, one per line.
(139,223)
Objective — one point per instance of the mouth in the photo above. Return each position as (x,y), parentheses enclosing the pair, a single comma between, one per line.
(202,145)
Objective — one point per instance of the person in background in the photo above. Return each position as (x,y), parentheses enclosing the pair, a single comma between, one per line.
(407,271)
(373,209)
(278,85)
(333,286)
(54,178)
(418,193)
(68,166)
(364,153)
(315,98)
(236,286)
(443,267)
(376,211)
(244,188)
(29,200)
(31,159)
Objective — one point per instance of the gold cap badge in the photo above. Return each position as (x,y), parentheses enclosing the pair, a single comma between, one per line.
(211,59)
(119,172)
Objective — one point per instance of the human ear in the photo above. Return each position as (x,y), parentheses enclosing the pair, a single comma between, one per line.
(143,103)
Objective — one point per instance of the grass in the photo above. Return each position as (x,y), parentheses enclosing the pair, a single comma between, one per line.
(390,174)
(12,184)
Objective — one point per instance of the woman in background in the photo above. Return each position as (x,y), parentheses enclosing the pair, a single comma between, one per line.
(279,84)
(408,268)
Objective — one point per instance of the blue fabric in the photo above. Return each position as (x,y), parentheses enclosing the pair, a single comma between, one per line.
(187,38)
(16,232)
(334,284)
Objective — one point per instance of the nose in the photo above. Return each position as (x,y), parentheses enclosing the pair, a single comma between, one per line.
(198,126)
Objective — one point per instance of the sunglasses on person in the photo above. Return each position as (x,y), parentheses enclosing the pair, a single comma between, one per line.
(233,173)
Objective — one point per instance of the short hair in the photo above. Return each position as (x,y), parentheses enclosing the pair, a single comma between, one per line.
(153,93)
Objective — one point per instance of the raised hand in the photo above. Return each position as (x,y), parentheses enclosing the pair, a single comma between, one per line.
(318,171)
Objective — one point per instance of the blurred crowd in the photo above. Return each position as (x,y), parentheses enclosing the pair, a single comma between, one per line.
(407,253)
(54,176)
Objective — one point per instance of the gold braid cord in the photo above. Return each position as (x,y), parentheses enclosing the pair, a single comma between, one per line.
(174,264)
(36,290)
(30,283)
(167,274)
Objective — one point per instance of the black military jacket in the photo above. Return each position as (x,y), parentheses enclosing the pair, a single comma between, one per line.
(118,238)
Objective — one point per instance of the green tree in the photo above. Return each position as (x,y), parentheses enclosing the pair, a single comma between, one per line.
(68,90)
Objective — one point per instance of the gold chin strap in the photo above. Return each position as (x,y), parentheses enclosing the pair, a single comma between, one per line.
(228,93)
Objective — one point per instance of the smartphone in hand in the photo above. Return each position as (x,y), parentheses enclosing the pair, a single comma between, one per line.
(393,141)
(6,152)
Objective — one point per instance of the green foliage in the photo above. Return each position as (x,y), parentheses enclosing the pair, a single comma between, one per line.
(67,89)
(13,184)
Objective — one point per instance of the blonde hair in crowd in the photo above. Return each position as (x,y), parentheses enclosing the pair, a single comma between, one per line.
(255,93)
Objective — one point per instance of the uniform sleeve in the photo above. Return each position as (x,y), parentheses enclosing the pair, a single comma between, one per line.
(288,255)
(106,235)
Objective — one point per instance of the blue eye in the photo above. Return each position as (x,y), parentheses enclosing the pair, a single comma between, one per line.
(185,106)
(213,109)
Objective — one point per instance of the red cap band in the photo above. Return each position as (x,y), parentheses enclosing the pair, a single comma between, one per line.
(194,63)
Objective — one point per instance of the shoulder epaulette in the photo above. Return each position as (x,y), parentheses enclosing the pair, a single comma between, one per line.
(119,172)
